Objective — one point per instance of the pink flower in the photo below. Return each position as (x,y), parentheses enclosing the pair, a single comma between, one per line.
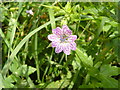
(29,12)
(63,40)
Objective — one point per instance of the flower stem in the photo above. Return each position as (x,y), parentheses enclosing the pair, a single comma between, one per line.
(61,58)
(65,57)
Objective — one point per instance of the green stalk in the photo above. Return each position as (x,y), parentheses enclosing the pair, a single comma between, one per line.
(36,57)
(61,58)
(65,57)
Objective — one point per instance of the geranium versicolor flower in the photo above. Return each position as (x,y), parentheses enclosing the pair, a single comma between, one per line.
(63,40)
(29,12)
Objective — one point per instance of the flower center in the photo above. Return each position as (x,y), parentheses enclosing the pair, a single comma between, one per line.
(63,38)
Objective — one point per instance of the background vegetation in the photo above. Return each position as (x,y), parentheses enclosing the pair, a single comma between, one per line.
(30,62)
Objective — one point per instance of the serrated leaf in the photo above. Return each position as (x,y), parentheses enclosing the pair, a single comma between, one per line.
(108,82)
(12,78)
(14,66)
(93,71)
(76,63)
(7,83)
(109,70)
(25,70)
(87,61)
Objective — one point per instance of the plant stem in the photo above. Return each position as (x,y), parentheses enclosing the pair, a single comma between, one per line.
(65,57)
(61,58)
(36,58)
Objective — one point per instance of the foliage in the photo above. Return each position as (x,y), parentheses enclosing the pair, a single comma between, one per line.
(29,61)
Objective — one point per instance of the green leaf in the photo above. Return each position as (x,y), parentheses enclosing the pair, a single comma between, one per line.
(109,70)
(25,70)
(98,64)
(113,23)
(106,28)
(108,82)
(12,78)
(75,17)
(86,86)
(86,17)
(93,71)
(14,66)
(7,83)
(68,7)
(76,63)
(58,84)
(60,12)
(91,10)
(1,82)
(87,61)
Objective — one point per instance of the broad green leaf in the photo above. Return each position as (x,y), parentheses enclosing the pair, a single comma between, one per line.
(25,70)
(106,28)
(12,78)
(108,82)
(7,83)
(14,66)
(87,61)
(108,70)
(93,72)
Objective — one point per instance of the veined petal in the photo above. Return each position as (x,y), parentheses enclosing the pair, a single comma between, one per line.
(53,37)
(72,38)
(57,31)
(66,48)
(73,45)
(59,48)
(66,30)
(54,43)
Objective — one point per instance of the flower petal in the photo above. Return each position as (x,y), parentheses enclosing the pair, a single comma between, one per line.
(59,48)
(72,38)
(57,31)
(53,37)
(73,46)
(54,44)
(66,48)
(66,30)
